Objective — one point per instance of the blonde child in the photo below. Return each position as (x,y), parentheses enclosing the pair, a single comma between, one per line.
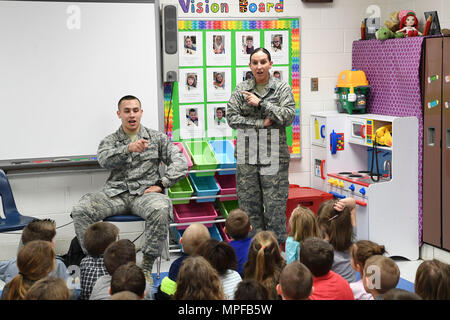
(302,225)
(265,262)
(337,220)
(360,252)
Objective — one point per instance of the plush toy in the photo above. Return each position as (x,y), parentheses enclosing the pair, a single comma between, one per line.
(408,23)
(383,135)
(385,33)
(393,21)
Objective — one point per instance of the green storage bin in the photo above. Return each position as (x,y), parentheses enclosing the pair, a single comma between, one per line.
(225,207)
(182,189)
(202,156)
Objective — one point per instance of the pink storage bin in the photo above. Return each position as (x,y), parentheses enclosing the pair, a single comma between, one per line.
(223,234)
(194,212)
(227,185)
(186,155)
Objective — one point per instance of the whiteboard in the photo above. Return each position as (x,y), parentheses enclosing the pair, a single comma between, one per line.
(63,68)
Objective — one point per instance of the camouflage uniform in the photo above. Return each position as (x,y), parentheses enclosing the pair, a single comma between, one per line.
(131,174)
(263,193)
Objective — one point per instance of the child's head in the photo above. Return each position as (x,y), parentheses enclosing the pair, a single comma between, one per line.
(303,224)
(35,261)
(363,250)
(400,294)
(317,255)
(119,253)
(251,290)
(219,254)
(191,80)
(99,236)
(198,280)
(125,295)
(237,224)
(49,288)
(380,275)
(128,277)
(249,41)
(39,230)
(295,282)
(433,280)
(193,236)
(335,225)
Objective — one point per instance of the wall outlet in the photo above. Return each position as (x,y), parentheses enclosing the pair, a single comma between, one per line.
(314,84)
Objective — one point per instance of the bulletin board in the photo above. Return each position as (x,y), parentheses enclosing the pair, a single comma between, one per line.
(212,66)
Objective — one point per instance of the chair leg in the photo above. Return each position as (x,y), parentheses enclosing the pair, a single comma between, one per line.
(158,268)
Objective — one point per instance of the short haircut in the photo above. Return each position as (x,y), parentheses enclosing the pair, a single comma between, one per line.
(317,255)
(385,272)
(400,294)
(219,254)
(127,97)
(237,224)
(264,50)
(119,253)
(296,281)
(128,277)
(251,289)
(39,230)
(99,236)
(193,236)
(125,295)
(49,288)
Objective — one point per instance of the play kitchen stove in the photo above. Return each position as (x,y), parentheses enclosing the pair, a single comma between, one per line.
(383,179)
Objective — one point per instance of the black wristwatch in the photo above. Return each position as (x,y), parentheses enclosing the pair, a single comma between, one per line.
(160,184)
(259,104)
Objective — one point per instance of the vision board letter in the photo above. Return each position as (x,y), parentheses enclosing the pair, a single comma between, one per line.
(184,5)
(279,6)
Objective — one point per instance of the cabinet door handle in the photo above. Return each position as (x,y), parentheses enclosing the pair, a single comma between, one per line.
(322,163)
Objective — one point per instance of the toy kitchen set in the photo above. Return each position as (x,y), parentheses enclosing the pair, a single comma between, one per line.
(373,159)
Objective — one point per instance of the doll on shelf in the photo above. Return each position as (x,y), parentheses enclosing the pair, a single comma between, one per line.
(408,23)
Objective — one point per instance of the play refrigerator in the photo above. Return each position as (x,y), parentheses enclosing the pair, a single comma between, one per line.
(373,159)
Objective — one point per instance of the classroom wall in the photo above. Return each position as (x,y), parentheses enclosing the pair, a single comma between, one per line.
(327,33)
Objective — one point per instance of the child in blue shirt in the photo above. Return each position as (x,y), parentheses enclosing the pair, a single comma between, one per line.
(302,225)
(237,226)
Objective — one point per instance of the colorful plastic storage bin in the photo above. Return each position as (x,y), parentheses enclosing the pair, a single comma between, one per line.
(227,185)
(182,189)
(186,155)
(204,186)
(213,231)
(225,207)
(222,232)
(194,212)
(202,156)
(224,151)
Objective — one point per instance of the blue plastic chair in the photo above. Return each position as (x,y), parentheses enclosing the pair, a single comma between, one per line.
(13,219)
(133,218)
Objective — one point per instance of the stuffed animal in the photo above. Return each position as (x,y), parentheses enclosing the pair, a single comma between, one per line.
(383,135)
(393,21)
(385,33)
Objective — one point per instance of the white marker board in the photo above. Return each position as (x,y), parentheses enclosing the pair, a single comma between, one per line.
(65,65)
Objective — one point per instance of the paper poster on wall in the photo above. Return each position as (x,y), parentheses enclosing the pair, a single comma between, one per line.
(277,42)
(246,43)
(218,83)
(242,74)
(192,53)
(281,73)
(217,122)
(192,121)
(191,85)
(218,48)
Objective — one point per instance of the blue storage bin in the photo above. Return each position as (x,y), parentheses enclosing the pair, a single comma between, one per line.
(204,186)
(224,152)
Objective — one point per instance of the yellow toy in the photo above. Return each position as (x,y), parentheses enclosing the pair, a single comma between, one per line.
(383,135)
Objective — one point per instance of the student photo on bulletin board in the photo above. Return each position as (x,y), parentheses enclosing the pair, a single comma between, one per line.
(247,44)
(219,44)
(277,74)
(219,80)
(191,117)
(190,44)
(191,81)
(277,42)
(220,116)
